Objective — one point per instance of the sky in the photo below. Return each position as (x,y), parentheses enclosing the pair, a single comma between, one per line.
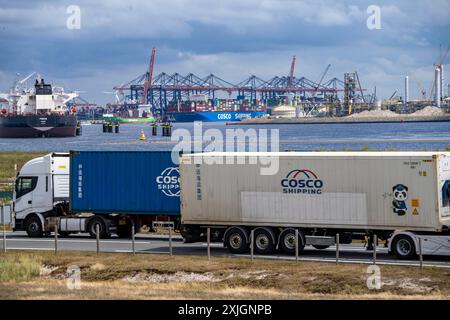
(231,38)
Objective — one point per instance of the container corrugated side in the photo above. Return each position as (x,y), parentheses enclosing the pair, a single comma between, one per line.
(356,191)
(129,182)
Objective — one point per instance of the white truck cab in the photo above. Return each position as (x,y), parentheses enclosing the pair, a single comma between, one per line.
(41,189)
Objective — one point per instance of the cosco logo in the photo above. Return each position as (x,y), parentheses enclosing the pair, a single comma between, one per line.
(224,116)
(169,182)
(302,181)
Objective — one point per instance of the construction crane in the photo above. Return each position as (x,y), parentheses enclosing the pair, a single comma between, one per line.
(392,95)
(148,81)
(19,83)
(423,92)
(291,73)
(322,77)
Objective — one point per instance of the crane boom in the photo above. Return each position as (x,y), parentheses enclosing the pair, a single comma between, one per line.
(291,73)
(27,77)
(148,81)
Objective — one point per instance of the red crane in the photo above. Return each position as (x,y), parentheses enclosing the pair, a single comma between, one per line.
(291,74)
(148,81)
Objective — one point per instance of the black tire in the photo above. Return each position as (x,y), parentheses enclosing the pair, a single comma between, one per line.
(287,241)
(403,247)
(320,247)
(102,228)
(33,227)
(263,243)
(236,241)
(125,231)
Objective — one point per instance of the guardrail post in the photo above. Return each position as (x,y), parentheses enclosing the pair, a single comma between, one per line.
(170,240)
(56,236)
(97,236)
(375,240)
(132,238)
(208,240)
(420,253)
(337,247)
(4,228)
(252,242)
(296,245)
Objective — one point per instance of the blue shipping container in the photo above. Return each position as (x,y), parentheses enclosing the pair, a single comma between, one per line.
(135,182)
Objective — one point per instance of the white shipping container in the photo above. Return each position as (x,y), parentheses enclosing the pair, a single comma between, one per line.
(350,190)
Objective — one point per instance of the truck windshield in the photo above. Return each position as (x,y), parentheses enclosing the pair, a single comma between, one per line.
(25,185)
(446,194)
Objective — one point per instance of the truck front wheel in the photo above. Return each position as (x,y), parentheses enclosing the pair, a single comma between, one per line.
(403,247)
(236,241)
(33,227)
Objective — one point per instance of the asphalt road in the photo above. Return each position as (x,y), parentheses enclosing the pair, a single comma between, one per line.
(147,244)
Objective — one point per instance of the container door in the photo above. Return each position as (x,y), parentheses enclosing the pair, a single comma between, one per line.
(445,187)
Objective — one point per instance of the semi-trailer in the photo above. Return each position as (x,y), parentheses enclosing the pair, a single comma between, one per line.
(399,196)
(402,197)
(79,191)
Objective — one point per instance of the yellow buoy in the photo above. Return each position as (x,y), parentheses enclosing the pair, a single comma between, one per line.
(142,136)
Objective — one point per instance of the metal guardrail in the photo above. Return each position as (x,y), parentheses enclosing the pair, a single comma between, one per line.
(5,212)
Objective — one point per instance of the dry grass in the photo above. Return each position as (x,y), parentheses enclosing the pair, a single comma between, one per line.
(122,276)
(19,268)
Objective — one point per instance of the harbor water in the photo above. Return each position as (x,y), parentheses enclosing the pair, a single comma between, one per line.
(300,137)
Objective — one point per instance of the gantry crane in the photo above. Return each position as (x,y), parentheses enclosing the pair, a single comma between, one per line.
(148,81)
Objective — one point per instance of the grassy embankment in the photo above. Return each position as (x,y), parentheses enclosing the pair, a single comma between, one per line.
(42,275)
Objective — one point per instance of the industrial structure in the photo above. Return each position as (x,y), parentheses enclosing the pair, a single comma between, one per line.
(159,91)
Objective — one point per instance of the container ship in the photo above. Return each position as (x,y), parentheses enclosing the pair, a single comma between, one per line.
(142,114)
(37,112)
(200,108)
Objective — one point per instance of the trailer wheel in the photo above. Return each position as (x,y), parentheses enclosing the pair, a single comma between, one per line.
(92,227)
(236,241)
(33,227)
(287,241)
(263,242)
(403,247)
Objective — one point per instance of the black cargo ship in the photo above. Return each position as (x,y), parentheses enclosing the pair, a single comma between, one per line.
(37,117)
(37,126)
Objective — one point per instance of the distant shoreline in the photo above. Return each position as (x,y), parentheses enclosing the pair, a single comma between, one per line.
(329,120)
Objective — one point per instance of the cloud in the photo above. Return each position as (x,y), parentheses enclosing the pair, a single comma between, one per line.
(230,38)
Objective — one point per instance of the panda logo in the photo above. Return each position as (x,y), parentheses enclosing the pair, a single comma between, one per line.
(400,196)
